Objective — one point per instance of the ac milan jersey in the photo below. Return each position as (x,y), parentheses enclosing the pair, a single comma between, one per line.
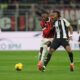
(47,31)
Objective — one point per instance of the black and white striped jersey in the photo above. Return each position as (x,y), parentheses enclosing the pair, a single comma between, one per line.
(61,28)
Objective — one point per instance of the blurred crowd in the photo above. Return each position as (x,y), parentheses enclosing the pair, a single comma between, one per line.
(24,15)
(43,1)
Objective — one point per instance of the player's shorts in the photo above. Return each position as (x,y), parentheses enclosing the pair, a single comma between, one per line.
(45,40)
(59,42)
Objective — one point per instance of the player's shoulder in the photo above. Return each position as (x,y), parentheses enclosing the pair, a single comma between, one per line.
(61,18)
(64,19)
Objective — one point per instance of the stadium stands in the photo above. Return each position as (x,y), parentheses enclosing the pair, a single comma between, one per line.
(24,15)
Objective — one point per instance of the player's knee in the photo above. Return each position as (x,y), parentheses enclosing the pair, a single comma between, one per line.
(49,43)
(68,49)
(51,50)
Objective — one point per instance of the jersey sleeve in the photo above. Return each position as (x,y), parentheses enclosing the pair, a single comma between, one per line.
(67,23)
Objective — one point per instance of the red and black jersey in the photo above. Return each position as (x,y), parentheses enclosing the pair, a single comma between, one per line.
(48,32)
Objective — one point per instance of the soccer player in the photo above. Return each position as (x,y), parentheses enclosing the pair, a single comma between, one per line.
(48,34)
(62,27)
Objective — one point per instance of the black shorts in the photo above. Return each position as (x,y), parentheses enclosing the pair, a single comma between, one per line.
(59,42)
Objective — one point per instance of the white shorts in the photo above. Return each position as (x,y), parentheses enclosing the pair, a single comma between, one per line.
(45,40)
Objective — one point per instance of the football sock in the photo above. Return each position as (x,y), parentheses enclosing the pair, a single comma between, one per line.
(44,53)
(47,59)
(40,53)
(70,56)
(39,56)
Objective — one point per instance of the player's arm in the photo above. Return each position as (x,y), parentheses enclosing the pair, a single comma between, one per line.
(42,25)
(70,29)
(45,29)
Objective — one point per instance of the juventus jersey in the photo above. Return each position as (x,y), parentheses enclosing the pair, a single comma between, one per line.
(61,26)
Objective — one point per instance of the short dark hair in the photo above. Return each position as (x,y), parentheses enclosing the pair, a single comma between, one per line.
(58,12)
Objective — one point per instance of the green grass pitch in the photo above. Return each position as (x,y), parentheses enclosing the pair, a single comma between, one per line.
(57,69)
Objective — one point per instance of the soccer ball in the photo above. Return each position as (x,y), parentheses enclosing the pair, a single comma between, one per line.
(19,66)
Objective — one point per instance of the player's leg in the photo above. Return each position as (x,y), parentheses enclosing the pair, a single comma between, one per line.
(45,50)
(46,61)
(41,66)
(40,53)
(44,53)
(70,53)
(55,44)
(41,49)
(67,47)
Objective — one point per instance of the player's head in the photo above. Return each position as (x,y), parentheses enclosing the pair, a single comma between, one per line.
(56,14)
(44,16)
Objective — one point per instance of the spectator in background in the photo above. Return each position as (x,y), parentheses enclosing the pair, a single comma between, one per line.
(4,1)
(79,40)
(14,4)
(78,28)
(77,1)
(78,24)
(66,1)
